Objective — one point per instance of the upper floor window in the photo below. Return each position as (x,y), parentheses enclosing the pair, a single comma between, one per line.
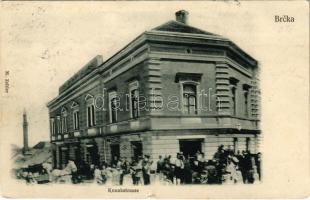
(91,116)
(58,124)
(189,99)
(246,106)
(233,89)
(246,99)
(64,120)
(76,115)
(134,99)
(233,100)
(53,127)
(113,106)
(189,83)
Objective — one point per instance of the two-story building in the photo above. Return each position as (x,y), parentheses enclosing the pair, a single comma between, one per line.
(173,88)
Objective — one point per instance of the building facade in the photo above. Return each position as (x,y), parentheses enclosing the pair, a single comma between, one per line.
(173,88)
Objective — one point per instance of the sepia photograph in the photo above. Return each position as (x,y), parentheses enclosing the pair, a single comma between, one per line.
(155,99)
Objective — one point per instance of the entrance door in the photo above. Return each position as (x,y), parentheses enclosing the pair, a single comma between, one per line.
(92,154)
(189,147)
(64,156)
(137,149)
(54,158)
(115,152)
(77,155)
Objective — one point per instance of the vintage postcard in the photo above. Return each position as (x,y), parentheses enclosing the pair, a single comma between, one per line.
(154,99)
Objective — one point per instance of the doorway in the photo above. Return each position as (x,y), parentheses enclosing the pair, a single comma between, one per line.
(64,157)
(137,149)
(115,152)
(190,147)
(92,156)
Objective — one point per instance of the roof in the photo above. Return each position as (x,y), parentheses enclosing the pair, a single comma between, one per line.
(39,154)
(171,28)
(175,26)
(88,68)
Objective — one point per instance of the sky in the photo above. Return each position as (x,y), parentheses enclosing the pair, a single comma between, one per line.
(45,43)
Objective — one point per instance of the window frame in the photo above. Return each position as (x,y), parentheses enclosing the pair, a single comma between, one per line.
(76,123)
(58,124)
(246,103)
(233,91)
(64,124)
(53,127)
(112,95)
(90,111)
(75,109)
(132,87)
(246,93)
(196,84)
(233,82)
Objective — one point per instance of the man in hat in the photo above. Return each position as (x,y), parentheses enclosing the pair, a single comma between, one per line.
(146,165)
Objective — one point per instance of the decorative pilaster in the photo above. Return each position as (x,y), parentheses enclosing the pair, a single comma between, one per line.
(254,99)
(154,85)
(222,88)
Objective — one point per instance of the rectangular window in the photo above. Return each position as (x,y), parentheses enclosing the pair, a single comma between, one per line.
(189,99)
(64,124)
(113,106)
(76,120)
(53,127)
(91,115)
(134,99)
(58,124)
(233,99)
(246,106)
(234,91)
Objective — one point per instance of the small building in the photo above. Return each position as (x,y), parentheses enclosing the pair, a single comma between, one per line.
(173,88)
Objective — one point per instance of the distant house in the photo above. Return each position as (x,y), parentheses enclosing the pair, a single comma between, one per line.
(173,88)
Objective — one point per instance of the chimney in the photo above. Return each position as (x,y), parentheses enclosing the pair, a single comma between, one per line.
(181,16)
(25,132)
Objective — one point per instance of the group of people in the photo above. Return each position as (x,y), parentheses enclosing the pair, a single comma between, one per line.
(123,172)
(225,167)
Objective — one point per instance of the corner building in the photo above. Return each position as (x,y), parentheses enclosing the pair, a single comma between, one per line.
(173,88)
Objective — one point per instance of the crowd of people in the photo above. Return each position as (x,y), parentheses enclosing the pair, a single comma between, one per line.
(226,167)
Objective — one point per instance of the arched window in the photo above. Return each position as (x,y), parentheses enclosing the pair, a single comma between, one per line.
(64,120)
(189,99)
(91,116)
(76,116)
